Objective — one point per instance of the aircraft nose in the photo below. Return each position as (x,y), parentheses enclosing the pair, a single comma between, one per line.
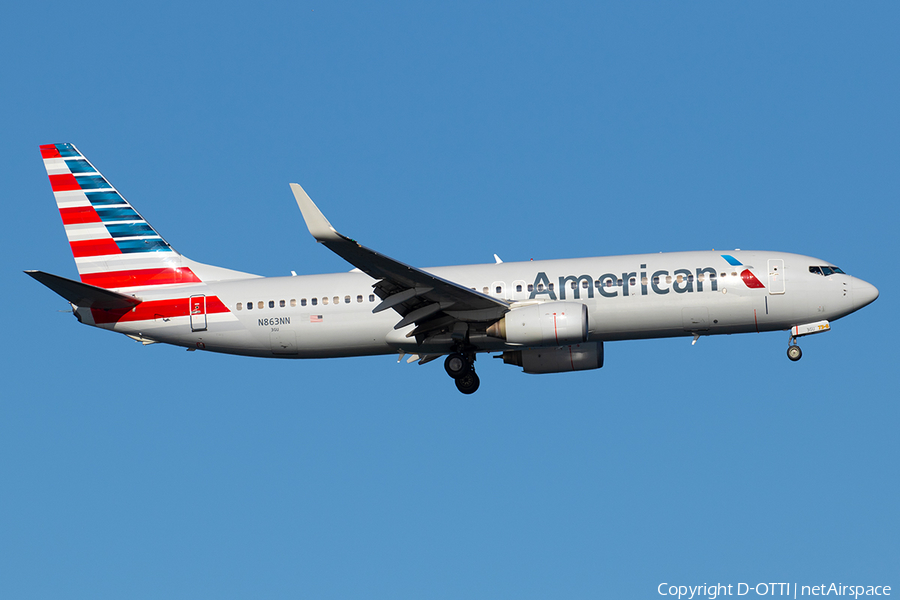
(863,293)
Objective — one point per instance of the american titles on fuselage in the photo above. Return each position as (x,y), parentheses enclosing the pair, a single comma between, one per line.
(680,281)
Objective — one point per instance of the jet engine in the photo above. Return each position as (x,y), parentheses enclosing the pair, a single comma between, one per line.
(545,324)
(575,357)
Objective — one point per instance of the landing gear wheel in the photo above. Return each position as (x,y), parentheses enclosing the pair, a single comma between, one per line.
(468,383)
(794,353)
(456,366)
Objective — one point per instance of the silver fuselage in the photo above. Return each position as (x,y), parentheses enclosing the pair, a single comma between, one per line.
(628,297)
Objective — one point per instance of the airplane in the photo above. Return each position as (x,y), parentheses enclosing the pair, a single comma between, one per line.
(546,316)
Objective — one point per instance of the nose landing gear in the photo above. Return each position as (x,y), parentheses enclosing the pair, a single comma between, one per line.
(462,369)
(794,353)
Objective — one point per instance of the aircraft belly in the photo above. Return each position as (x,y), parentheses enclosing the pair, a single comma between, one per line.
(222,335)
(704,314)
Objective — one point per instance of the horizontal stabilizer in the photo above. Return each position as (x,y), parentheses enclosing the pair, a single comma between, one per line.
(82,294)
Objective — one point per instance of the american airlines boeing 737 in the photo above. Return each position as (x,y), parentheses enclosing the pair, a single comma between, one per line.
(546,316)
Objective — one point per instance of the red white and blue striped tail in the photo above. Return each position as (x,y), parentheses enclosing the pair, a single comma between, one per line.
(114,246)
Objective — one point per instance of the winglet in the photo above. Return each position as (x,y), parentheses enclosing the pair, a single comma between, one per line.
(318,225)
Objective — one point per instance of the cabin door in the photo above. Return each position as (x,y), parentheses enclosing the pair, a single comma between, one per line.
(776,276)
(198,313)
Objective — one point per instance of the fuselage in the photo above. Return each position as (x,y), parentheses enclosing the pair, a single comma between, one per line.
(548,316)
(627,297)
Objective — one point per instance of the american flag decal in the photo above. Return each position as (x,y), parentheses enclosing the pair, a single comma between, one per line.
(315,318)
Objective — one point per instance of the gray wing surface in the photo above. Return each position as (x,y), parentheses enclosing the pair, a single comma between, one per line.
(431,302)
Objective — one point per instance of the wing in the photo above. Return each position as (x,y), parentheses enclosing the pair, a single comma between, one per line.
(432,303)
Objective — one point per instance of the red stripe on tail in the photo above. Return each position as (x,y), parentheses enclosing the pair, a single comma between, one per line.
(49,151)
(79,214)
(64,182)
(99,247)
(142,277)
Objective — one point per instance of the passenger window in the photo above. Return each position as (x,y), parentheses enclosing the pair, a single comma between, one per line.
(734,273)
(249,306)
(281,303)
(551,287)
(700,277)
(571,285)
(293,302)
(540,287)
(337,300)
(314,301)
(260,304)
(632,282)
(271,304)
(690,278)
(239,306)
(680,278)
(585,284)
(324,300)
(359,298)
(346,299)
(486,289)
(371,297)
(643,281)
(530,287)
(619,282)
(609,283)
(519,288)
(498,289)
(656,280)
(668,279)
(723,274)
(303,301)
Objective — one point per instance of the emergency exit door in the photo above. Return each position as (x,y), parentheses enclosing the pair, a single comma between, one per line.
(198,313)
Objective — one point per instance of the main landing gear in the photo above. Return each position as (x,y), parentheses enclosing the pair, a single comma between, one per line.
(794,353)
(462,369)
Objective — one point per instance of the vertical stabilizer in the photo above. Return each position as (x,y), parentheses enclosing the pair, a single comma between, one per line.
(113,245)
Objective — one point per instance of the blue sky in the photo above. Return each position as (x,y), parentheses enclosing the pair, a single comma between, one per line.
(441,135)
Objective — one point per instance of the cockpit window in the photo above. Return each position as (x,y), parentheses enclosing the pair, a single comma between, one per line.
(825,270)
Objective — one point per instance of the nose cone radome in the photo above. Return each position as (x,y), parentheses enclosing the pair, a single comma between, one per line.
(863,293)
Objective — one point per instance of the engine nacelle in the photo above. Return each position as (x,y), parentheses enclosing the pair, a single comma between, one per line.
(545,324)
(576,357)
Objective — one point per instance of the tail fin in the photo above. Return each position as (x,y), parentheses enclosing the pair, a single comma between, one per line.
(113,245)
